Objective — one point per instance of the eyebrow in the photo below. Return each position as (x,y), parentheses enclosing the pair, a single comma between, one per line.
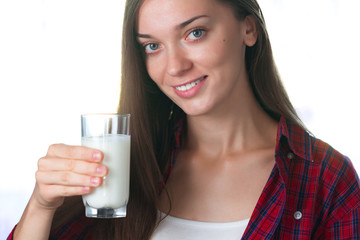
(181,25)
(184,24)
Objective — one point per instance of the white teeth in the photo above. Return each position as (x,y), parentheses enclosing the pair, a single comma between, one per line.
(182,88)
(189,85)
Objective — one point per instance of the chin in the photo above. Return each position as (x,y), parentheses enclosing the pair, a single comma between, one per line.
(193,112)
(195,107)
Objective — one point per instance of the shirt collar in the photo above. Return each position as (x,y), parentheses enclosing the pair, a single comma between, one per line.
(299,140)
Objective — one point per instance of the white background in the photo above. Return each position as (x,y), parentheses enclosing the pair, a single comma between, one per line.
(59,59)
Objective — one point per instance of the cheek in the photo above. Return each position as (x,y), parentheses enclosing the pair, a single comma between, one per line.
(229,48)
(154,70)
(205,59)
(220,52)
(157,72)
(230,55)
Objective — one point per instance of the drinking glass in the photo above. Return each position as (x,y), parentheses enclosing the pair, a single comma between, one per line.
(109,133)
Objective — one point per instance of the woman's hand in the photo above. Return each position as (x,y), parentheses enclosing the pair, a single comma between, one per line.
(67,171)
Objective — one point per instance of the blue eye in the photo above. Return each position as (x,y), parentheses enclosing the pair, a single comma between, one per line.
(151,47)
(196,34)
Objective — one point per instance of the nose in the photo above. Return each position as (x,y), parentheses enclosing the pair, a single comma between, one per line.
(178,61)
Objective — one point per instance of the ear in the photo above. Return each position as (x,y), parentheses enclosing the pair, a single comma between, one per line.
(251,32)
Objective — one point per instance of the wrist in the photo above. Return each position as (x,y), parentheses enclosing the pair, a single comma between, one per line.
(36,205)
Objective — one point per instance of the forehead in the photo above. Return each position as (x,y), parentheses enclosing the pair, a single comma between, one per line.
(162,13)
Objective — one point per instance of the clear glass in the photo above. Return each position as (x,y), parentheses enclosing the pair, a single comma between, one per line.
(109,133)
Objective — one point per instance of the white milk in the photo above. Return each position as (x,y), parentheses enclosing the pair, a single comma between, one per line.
(114,192)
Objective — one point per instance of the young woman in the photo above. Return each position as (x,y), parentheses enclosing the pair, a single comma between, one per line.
(218,151)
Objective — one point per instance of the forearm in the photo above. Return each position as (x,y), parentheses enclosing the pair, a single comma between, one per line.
(35,222)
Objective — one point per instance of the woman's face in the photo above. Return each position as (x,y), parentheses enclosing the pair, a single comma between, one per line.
(195,51)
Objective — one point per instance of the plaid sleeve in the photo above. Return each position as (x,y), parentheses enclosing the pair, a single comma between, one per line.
(344,209)
(347,228)
(75,229)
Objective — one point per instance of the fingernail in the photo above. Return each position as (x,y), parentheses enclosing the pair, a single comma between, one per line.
(95,180)
(86,189)
(100,169)
(97,155)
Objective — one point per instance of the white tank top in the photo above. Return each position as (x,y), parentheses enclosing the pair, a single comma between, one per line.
(177,228)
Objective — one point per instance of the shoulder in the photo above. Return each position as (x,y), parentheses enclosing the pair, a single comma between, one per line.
(324,154)
(338,182)
(338,193)
(332,165)
(320,181)
(336,185)
(336,169)
(320,167)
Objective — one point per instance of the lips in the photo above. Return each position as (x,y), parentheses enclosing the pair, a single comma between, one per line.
(190,89)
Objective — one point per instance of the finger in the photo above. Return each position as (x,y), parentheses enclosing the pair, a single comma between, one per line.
(72,165)
(53,192)
(75,152)
(67,179)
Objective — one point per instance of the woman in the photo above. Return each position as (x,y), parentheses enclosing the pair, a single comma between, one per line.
(217,148)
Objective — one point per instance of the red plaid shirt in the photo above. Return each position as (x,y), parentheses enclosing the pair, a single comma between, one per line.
(313,193)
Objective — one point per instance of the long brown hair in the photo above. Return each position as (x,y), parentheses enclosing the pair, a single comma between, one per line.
(151,129)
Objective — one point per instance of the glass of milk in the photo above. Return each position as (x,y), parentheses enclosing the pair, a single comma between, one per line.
(109,133)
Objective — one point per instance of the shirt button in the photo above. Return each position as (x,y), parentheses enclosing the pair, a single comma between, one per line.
(290,155)
(297,215)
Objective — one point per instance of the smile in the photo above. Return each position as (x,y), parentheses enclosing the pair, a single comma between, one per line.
(189,86)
